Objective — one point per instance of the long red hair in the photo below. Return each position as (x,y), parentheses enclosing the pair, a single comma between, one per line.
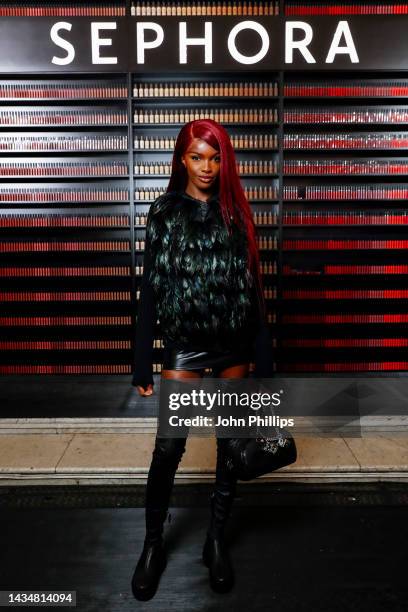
(233,202)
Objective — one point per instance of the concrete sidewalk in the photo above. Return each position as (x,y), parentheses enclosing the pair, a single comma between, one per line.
(75,456)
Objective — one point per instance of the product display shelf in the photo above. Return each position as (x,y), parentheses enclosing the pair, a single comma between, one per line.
(65,225)
(345,7)
(335,275)
(207,8)
(341,279)
(64,8)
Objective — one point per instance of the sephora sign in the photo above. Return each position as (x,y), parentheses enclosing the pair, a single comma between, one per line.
(177,44)
(150,43)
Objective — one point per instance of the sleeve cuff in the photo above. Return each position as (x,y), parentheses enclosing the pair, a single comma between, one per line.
(142,381)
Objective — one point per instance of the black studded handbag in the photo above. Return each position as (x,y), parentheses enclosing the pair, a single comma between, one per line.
(249,458)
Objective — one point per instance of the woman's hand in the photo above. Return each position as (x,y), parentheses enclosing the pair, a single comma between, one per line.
(145,392)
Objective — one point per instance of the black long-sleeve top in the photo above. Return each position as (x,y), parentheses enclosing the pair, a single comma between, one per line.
(261,351)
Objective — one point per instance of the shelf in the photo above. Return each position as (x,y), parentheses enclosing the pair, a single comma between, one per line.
(202,98)
(39,152)
(77,228)
(33,101)
(351,98)
(316,176)
(245,150)
(342,249)
(132,132)
(303,149)
(260,225)
(63,127)
(322,275)
(58,203)
(344,124)
(266,225)
(250,200)
(329,200)
(174,124)
(62,177)
(69,253)
(345,225)
(242,176)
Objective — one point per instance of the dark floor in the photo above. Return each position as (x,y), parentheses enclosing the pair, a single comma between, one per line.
(302,548)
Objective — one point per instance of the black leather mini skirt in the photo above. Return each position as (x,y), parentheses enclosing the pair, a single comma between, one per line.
(180,359)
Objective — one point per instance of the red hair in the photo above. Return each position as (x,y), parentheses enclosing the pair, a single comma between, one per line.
(233,202)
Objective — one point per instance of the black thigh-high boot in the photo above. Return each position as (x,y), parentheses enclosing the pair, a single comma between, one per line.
(215,553)
(167,454)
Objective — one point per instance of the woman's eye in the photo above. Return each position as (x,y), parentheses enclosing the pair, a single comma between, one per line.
(195,157)
(218,159)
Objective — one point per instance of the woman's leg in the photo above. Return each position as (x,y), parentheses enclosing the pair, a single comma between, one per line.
(215,553)
(167,454)
(225,481)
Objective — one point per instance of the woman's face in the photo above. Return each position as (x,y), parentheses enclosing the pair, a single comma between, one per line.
(202,163)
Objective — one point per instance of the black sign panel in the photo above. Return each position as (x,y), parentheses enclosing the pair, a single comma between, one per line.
(177,44)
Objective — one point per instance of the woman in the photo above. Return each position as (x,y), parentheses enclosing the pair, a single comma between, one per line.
(201,280)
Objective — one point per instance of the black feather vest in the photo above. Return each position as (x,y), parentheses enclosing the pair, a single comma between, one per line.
(204,292)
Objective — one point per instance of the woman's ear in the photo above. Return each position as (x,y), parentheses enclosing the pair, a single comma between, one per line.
(183,161)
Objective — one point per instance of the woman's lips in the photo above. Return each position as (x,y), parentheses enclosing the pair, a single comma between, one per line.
(205,179)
